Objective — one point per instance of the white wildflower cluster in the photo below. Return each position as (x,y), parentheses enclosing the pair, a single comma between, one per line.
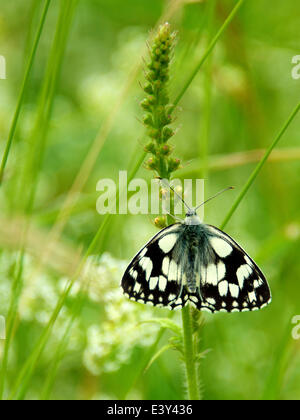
(111,341)
(105,340)
(39,295)
(38,299)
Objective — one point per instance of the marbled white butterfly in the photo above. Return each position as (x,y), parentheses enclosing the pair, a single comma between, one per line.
(191,262)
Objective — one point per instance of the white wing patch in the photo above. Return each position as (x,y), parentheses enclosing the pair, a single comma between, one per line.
(168,242)
(234,290)
(162,283)
(221,270)
(243,272)
(211,274)
(223,287)
(153,283)
(147,265)
(221,247)
(173,271)
(165,266)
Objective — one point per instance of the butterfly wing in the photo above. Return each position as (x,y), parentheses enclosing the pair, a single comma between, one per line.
(153,277)
(231,281)
(226,278)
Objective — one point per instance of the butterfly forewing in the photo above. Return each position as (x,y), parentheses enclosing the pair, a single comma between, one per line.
(197,264)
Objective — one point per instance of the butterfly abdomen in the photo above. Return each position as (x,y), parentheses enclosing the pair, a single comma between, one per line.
(192,270)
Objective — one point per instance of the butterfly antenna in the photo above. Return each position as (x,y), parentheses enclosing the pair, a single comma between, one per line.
(214,196)
(178,219)
(176,193)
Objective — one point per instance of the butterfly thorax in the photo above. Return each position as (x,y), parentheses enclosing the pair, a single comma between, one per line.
(195,237)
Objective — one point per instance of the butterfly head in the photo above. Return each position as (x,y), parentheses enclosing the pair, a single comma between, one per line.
(192,218)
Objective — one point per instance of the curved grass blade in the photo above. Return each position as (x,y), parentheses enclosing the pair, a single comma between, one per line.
(258,168)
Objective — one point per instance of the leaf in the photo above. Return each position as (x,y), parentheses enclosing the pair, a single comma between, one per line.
(166,323)
(177,344)
(157,354)
(202,355)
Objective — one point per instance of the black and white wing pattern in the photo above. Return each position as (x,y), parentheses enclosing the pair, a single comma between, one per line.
(198,264)
(232,281)
(152,277)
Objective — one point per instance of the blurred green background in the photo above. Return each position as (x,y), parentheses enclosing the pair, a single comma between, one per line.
(82,100)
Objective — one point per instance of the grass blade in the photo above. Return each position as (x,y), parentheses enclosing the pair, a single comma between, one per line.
(23,90)
(208,51)
(259,167)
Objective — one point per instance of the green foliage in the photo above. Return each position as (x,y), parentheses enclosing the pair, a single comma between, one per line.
(67,119)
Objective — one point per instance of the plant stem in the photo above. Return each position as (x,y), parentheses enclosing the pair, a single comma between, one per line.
(11,318)
(205,125)
(61,349)
(22,92)
(189,356)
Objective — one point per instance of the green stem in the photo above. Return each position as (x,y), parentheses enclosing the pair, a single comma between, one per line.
(37,142)
(22,92)
(192,371)
(205,126)
(259,167)
(11,318)
(189,356)
(61,349)
(93,245)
